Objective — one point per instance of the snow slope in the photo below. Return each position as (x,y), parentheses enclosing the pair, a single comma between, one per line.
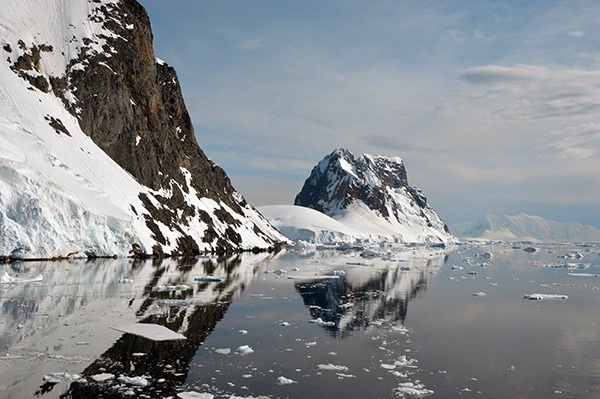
(59,192)
(525,227)
(299,223)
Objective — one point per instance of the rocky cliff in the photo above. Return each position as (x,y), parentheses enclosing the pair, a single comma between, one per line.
(371,194)
(96,58)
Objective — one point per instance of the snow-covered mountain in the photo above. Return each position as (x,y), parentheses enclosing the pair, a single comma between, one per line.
(97,150)
(371,195)
(525,227)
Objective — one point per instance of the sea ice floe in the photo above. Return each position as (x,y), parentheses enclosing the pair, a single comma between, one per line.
(168,287)
(539,297)
(223,351)
(332,367)
(285,381)
(413,390)
(133,381)
(583,275)
(194,395)
(103,377)
(404,361)
(244,350)
(6,278)
(321,322)
(479,293)
(154,332)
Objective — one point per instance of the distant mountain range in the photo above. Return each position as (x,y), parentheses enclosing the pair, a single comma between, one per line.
(525,227)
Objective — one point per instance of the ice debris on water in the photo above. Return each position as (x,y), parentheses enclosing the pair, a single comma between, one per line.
(6,278)
(479,293)
(57,376)
(244,350)
(179,303)
(194,395)
(103,377)
(404,361)
(321,322)
(583,275)
(285,381)
(168,287)
(413,390)
(133,381)
(539,297)
(332,367)
(154,332)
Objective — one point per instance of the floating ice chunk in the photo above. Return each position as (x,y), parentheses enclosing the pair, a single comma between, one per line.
(223,351)
(177,287)
(413,390)
(539,297)
(342,376)
(388,366)
(321,322)
(243,332)
(181,303)
(153,332)
(284,324)
(479,293)
(194,395)
(6,278)
(285,381)
(103,377)
(404,361)
(57,376)
(583,274)
(133,381)
(244,350)
(332,367)
(208,279)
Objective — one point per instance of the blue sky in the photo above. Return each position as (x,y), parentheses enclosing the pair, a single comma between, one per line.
(493,105)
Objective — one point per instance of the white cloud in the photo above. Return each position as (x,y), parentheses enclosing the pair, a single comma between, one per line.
(576,33)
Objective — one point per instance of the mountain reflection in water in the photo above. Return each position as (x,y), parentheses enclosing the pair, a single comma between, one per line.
(357,297)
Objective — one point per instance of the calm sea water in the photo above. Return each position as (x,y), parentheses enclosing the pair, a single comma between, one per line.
(441,323)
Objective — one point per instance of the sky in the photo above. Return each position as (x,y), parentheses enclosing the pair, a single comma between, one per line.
(494,106)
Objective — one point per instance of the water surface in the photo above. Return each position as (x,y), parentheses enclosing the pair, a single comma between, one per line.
(320,324)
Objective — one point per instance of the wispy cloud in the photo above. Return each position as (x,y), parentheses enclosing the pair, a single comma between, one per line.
(576,33)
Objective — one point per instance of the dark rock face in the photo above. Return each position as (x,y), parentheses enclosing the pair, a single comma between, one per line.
(341,179)
(131,106)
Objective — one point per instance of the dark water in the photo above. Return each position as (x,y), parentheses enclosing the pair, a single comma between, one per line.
(407,317)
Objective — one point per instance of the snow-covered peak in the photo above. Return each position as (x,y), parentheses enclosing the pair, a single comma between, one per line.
(371,194)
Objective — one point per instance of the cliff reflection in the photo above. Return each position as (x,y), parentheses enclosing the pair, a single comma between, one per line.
(193,312)
(364,295)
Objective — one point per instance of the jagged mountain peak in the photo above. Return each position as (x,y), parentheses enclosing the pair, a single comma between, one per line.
(372,192)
